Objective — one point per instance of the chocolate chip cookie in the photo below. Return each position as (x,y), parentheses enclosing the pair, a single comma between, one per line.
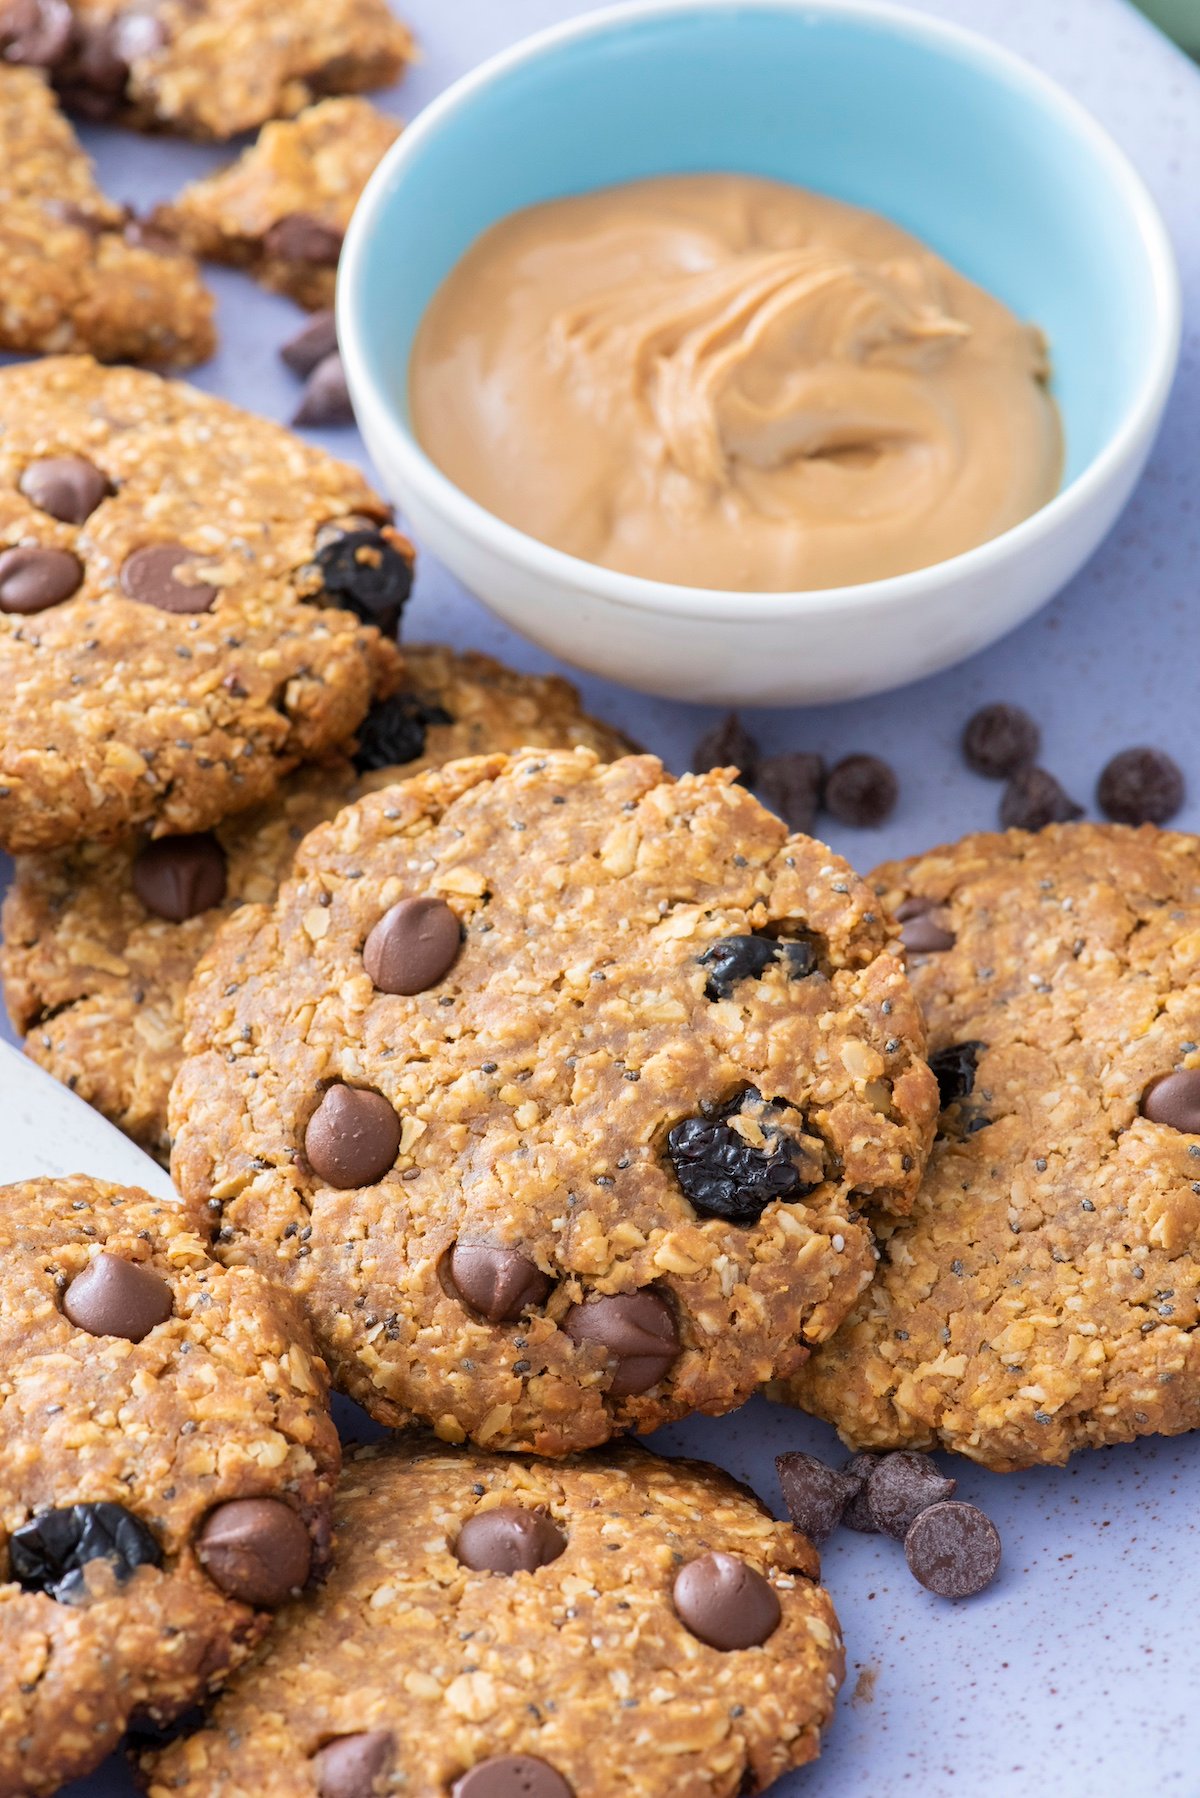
(208,68)
(281,210)
(167,1465)
(79,272)
(498,1628)
(100,940)
(557,1091)
(1044,1295)
(189,603)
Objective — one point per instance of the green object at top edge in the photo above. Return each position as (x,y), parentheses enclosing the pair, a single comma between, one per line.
(1179,18)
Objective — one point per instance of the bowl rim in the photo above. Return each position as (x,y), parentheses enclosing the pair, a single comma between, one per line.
(547,565)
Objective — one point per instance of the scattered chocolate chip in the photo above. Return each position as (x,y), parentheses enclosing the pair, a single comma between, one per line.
(1141,786)
(326,396)
(33,579)
(113,1297)
(257,1550)
(1033,798)
(354,1766)
(68,488)
(637,1330)
(815,1495)
(856,1516)
(1174,1100)
(861,791)
(500,1284)
(393,732)
(353,1137)
(512,1776)
(999,740)
(148,576)
(413,946)
(726,1603)
(732,959)
(38,33)
(953,1549)
(509,1539)
(312,344)
(901,1486)
(790,785)
(299,237)
(180,877)
(364,573)
(49,1553)
(921,931)
(725,1176)
(727,745)
(954,1070)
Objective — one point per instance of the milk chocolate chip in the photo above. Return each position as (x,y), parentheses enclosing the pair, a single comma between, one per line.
(512,1776)
(112,1297)
(726,1603)
(921,931)
(900,1487)
(299,237)
(354,1766)
(257,1550)
(148,576)
(353,1137)
(1174,1100)
(33,579)
(501,1284)
(815,1495)
(67,487)
(413,946)
(179,877)
(509,1539)
(636,1329)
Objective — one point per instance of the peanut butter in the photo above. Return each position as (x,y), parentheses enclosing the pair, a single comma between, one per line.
(727,382)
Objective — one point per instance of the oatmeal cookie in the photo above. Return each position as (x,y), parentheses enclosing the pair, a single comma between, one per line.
(100,940)
(189,599)
(79,272)
(167,1465)
(557,1092)
(1044,1295)
(491,1622)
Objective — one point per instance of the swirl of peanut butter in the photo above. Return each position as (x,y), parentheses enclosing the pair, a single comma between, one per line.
(728,383)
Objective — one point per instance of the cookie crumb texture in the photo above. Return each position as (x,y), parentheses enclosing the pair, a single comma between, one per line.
(622,1192)
(77,273)
(116,1448)
(584,1664)
(95,981)
(169,658)
(1042,1298)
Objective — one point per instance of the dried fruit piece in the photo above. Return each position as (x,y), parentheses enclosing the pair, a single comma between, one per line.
(49,1553)
(732,959)
(364,572)
(393,732)
(954,1070)
(725,1173)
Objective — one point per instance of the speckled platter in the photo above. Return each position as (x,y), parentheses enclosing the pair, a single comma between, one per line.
(1075,1673)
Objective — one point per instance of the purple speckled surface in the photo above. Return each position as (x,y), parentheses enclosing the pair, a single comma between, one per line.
(1075,1672)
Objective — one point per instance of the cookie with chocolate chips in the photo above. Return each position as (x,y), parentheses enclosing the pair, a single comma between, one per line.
(100,940)
(492,1624)
(201,603)
(605,1168)
(1044,1295)
(167,1465)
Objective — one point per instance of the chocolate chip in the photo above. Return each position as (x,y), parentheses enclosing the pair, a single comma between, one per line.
(954,1070)
(148,576)
(312,344)
(140,234)
(300,237)
(354,1766)
(637,1331)
(393,732)
(861,791)
(1141,786)
(1033,798)
(413,946)
(353,1137)
(953,1549)
(257,1550)
(512,1776)
(732,959)
(36,32)
(900,1487)
(725,1176)
(500,1284)
(49,1553)
(180,877)
(999,740)
(790,785)
(1174,1100)
(858,1469)
(815,1495)
(33,579)
(113,1297)
(69,488)
(510,1539)
(726,1603)
(921,932)
(364,573)
(326,396)
(727,745)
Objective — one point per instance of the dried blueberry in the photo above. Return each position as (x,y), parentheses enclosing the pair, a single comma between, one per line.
(735,958)
(49,1553)
(362,570)
(725,1175)
(394,732)
(954,1071)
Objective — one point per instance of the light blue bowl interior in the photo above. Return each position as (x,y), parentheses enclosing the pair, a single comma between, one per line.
(931,132)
